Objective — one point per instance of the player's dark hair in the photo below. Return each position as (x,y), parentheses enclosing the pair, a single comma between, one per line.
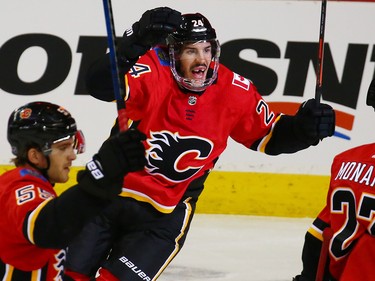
(21,159)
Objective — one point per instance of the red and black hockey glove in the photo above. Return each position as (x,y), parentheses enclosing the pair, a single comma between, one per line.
(314,122)
(119,155)
(153,27)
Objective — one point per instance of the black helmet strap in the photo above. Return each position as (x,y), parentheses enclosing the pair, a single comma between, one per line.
(43,171)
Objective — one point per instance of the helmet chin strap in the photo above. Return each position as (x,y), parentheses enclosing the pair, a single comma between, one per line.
(43,171)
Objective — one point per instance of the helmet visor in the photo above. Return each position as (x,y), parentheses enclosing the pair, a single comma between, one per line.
(79,144)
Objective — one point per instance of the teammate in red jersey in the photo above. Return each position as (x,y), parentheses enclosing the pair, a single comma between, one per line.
(35,225)
(350,215)
(188,105)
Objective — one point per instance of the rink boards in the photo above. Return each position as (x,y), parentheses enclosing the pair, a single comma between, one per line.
(261,194)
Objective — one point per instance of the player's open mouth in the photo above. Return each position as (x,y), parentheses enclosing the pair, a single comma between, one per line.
(199,73)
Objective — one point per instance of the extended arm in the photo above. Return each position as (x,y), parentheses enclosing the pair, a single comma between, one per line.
(290,134)
(58,221)
(153,27)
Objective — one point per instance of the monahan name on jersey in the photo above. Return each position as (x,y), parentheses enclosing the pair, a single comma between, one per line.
(361,173)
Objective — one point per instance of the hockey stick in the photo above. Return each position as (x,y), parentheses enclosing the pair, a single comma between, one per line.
(118,87)
(324,252)
(319,63)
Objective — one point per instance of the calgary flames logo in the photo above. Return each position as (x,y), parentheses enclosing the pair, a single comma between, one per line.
(25,113)
(176,158)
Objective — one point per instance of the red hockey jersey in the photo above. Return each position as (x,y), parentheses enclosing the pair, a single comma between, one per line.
(350,213)
(187,132)
(24,191)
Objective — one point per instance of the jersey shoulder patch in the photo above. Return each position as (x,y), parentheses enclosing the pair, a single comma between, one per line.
(241,81)
(162,56)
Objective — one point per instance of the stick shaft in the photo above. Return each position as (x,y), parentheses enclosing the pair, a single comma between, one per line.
(324,252)
(319,64)
(118,85)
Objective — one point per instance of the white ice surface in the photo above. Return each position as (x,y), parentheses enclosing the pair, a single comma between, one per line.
(240,248)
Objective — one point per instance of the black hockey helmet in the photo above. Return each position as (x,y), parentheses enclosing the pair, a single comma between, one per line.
(194,28)
(40,124)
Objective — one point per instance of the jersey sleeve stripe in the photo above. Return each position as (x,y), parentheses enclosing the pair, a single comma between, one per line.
(262,145)
(32,218)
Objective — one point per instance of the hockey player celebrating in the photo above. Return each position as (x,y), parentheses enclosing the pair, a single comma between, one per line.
(188,105)
(349,216)
(35,225)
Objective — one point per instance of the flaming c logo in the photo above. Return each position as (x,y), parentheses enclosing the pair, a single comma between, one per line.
(176,158)
(25,113)
(343,120)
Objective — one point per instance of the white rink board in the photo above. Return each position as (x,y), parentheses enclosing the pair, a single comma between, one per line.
(276,21)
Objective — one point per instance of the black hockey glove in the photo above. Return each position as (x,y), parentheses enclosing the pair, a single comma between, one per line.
(120,154)
(313,122)
(153,27)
